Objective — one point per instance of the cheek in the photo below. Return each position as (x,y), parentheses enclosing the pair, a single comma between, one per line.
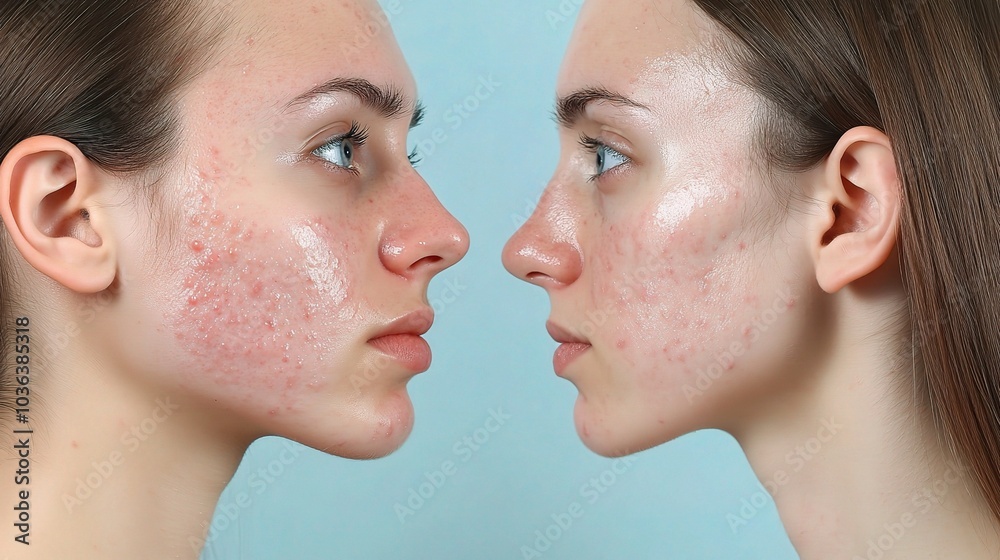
(675,283)
(261,312)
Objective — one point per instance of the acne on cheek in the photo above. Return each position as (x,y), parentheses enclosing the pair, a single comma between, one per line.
(256,308)
(677,294)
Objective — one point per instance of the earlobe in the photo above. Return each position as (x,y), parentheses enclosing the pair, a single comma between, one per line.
(861,194)
(50,201)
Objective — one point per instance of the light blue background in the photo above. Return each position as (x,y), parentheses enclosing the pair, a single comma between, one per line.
(492,353)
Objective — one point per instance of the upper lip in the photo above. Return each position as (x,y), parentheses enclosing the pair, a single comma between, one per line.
(415,322)
(563,335)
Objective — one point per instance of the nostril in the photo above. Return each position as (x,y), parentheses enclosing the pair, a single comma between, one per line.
(431,260)
(533,276)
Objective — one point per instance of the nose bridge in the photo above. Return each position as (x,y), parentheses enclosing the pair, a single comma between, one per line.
(420,237)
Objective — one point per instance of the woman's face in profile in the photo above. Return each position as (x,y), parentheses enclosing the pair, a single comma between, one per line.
(294,234)
(662,250)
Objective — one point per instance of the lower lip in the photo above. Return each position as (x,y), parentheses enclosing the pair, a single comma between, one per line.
(566,354)
(409,350)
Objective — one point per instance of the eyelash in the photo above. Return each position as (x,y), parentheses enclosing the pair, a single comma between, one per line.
(358,136)
(592,145)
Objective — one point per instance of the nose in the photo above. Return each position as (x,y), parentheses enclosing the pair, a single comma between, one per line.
(545,250)
(424,238)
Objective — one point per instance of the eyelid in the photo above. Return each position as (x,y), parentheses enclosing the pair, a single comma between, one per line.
(592,144)
(357,134)
(613,140)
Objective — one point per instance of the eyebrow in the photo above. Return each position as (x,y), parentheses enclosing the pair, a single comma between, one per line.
(571,108)
(389,102)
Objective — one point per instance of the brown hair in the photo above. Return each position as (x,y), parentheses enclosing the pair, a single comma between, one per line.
(103,75)
(925,73)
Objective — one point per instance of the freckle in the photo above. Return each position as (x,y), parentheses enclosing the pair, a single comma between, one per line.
(75,444)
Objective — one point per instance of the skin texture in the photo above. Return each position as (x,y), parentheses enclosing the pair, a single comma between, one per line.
(236,298)
(660,266)
(708,291)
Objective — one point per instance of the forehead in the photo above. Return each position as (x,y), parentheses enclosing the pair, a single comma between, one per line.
(280,49)
(633,47)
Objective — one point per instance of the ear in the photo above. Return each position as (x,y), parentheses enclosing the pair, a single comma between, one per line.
(49,201)
(861,196)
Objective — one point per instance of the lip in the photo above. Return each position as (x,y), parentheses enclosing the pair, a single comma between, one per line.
(402,340)
(570,348)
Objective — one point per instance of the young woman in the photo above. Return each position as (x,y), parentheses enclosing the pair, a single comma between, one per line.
(780,219)
(212,232)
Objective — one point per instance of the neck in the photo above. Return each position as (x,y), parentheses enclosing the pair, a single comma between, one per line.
(857,469)
(114,471)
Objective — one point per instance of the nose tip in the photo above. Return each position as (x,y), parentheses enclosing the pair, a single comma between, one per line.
(443,252)
(538,259)
(438,242)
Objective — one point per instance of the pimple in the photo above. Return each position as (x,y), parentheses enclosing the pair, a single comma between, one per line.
(622,344)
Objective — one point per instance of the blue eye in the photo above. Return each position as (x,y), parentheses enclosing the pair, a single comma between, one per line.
(338,152)
(606,158)
(341,150)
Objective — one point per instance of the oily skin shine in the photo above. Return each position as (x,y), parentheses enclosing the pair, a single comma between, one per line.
(235,301)
(716,295)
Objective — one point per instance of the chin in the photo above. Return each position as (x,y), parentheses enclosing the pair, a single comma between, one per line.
(615,433)
(371,430)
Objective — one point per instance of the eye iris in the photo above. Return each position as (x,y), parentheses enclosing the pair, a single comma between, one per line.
(600,159)
(348,152)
